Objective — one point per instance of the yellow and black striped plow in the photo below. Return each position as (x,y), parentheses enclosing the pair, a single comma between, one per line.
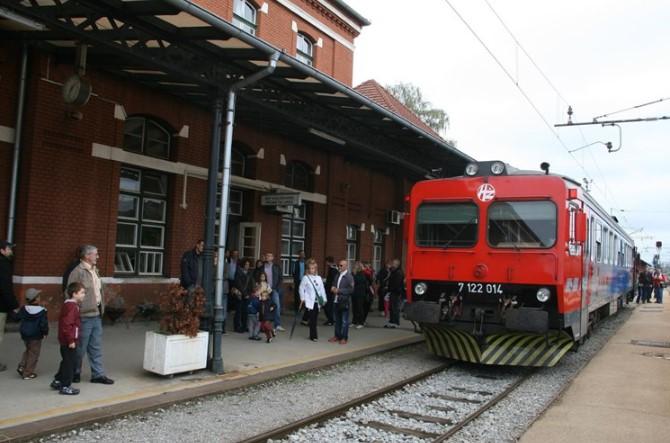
(513,348)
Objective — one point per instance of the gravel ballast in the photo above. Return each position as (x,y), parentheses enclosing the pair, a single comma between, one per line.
(244,413)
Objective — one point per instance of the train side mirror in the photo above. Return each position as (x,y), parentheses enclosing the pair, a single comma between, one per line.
(580,228)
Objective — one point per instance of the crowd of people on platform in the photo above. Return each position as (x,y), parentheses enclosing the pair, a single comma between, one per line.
(255,294)
(649,283)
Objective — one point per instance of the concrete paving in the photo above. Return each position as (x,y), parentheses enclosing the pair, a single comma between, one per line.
(24,403)
(623,394)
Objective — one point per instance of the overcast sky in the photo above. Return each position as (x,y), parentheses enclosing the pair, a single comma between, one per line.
(602,56)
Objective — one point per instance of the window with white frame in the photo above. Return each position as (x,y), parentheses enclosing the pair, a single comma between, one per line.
(378,250)
(141,222)
(352,245)
(293,237)
(305,49)
(244,16)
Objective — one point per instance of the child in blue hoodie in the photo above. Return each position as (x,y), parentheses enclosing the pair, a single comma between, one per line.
(34,327)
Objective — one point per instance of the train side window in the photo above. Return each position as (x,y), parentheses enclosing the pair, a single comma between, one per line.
(592,236)
(612,246)
(587,241)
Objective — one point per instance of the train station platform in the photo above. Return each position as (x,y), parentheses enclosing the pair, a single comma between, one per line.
(29,408)
(623,393)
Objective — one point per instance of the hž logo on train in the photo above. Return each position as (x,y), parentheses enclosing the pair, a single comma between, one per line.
(486,192)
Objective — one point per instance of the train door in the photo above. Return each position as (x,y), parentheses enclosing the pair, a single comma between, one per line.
(586,270)
(577,251)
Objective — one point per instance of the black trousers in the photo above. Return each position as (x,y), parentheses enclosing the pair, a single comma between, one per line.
(328,309)
(313,316)
(67,364)
(241,314)
(381,292)
(359,310)
(396,300)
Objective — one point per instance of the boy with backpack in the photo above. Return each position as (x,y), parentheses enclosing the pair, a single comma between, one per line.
(34,327)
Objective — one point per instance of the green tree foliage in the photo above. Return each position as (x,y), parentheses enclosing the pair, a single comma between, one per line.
(412,97)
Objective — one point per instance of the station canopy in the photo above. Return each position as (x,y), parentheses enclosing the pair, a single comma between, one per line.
(182,49)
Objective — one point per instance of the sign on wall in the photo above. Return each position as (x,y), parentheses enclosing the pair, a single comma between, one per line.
(281,199)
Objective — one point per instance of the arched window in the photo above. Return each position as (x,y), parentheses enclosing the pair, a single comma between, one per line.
(145,136)
(298,176)
(244,16)
(238,163)
(305,49)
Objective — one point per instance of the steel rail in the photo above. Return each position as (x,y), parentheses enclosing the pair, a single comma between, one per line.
(336,411)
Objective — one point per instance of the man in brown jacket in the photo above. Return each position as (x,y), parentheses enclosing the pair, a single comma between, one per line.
(91,310)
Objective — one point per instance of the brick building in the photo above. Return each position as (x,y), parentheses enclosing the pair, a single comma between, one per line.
(125,167)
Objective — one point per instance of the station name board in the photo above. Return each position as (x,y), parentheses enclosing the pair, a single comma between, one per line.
(281,199)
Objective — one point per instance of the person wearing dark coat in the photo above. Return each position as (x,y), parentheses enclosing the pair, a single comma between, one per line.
(382,282)
(396,289)
(241,291)
(192,263)
(8,300)
(33,328)
(342,288)
(360,295)
(331,275)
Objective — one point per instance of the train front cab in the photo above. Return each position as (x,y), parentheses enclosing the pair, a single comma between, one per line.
(497,280)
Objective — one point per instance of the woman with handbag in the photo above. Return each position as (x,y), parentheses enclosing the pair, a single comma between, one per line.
(312,296)
(241,291)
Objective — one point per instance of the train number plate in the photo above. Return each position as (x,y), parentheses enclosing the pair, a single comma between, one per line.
(480,288)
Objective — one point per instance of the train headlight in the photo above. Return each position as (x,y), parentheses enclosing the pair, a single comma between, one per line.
(471,169)
(420,288)
(497,168)
(543,295)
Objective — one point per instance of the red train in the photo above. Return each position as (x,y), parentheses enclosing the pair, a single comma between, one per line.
(510,267)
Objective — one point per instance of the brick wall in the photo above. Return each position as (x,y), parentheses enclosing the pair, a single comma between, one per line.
(275,27)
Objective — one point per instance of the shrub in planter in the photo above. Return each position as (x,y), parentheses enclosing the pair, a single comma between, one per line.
(181,310)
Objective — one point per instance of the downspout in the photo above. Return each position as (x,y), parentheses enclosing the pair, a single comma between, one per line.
(11,218)
(217,361)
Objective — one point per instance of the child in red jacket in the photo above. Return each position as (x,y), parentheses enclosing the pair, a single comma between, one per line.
(68,336)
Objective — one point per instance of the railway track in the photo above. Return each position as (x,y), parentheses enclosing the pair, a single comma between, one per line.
(431,406)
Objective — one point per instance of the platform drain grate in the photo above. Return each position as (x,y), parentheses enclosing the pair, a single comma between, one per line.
(654,343)
(660,355)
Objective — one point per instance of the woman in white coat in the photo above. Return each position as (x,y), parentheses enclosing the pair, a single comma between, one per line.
(312,295)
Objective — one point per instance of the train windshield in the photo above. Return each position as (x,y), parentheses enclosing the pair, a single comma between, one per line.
(522,224)
(443,225)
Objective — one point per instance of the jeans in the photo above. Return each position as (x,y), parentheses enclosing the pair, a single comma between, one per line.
(90,343)
(276,299)
(342,323)
(658,294)
(253,325)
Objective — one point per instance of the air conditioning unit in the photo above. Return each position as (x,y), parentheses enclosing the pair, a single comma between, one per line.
(393,217)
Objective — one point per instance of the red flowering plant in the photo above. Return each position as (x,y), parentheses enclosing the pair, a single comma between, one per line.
(181,310)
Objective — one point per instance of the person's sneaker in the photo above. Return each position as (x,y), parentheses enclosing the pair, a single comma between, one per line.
(359,326)
(102,380)
(76,378)
(333,339)
(314,339)
(343,342)
(392,325)
(69,390)
(20,370)
(280,329)
(29,376)
(269,340)
(56,385)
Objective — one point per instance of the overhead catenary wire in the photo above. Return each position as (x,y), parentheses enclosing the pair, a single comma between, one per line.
(524,94)
(632,107)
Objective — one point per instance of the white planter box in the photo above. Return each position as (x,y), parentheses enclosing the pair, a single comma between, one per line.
(171,354)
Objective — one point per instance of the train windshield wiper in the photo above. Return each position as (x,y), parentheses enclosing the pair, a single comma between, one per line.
(458,234)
